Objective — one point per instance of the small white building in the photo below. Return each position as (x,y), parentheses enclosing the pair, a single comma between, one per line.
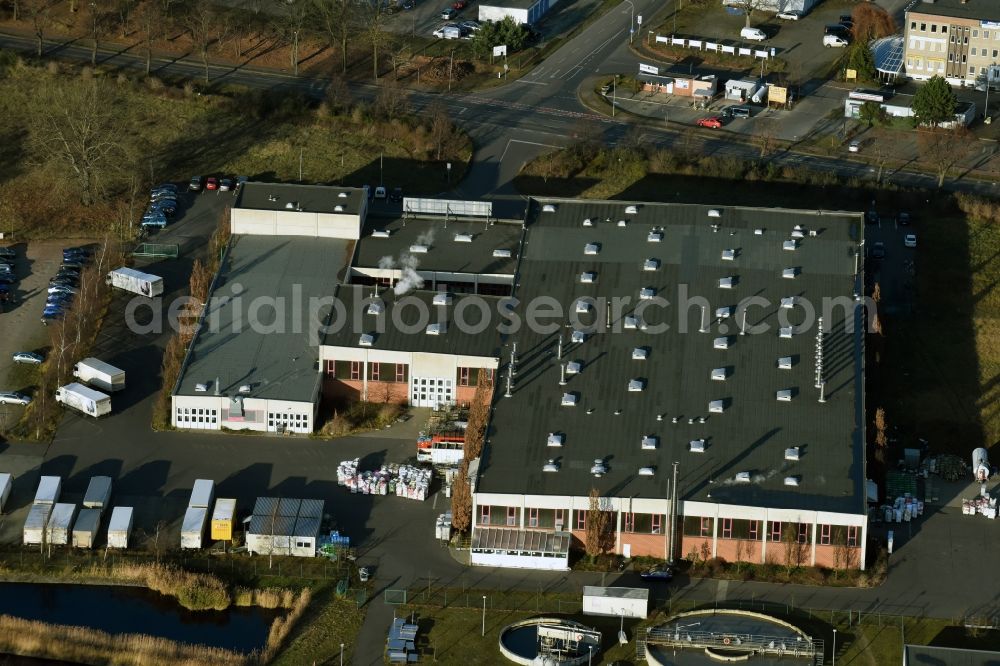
(287,209)
(524,12)
(901,106)
(285,526)
(520,549)
(616,601)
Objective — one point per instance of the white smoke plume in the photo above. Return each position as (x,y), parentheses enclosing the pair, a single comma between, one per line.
(426,238)
(386,262)
(410,279)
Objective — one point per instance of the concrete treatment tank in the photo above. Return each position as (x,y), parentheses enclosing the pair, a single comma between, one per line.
(549,641)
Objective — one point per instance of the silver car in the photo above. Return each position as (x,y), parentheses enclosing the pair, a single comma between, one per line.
(27,357)
(11,398)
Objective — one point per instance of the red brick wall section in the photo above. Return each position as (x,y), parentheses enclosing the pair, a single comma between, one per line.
(465,394)
(645,545)
(695,544)
(827,556)
(728,549)
(351,390)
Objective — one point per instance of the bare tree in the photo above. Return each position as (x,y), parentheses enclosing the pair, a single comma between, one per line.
(880,150)
(441,129)
(102,13)
(150,17)
(338,21)
(748,7)
(597,525)
(39,13)
(80,127)
(765,136)
(200,21)
(943,149)
(293,23)
(123,10)
(392,101)
(374,30)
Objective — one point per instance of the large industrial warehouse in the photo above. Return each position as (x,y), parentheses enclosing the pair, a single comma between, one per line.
(651,369)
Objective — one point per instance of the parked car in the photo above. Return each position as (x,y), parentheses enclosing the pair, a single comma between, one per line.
(910,240)
(225,185)
(854,146)
(154,219)
(240,182)
(211,183)
(790,15)
(61,289)
(878,250)
(396,195)
(834,41)
(657,573)
(713,122)
(11,398)
(471,26)
(166,206)
(738,112)
(52,315)
(380,192)
(8,252)
(7,278)
(195,184)
(903,219)
(458,5)
(30,358)
(78,251)
(448,31)
(448,13)
(753,34)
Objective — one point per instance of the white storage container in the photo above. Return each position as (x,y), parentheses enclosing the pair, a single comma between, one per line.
(49,488)
(193,527)
(59,530)
(202,493)
(120,527)
(85,529)
(98,493)
(34,525)
(6,483)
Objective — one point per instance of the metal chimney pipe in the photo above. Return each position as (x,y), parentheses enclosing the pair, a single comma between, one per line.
(562,374)
(704,323)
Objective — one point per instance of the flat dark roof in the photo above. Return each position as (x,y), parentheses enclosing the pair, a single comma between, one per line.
(926,655)
(444,253)
(277,358)
(977,10)
(754,430)
(511,4)
(308,198)
(400,322)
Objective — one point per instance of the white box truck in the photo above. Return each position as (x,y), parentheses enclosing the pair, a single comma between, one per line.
(193,527)
(202,493)
(86,527)
(6,483)
(136,282)
(98,493)
(48,491)
(34,524)
(99,374)
(120,527)
(59,531)
(84,399)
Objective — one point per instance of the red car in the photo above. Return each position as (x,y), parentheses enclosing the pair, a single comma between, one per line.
(211,184)
(714,122)
(459,5)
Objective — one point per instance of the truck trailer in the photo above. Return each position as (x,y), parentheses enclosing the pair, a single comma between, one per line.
(120,527)
(98,493)
(85,529)
(34,524)
(99,374)
(6,483)
(49,488)
(59,530)
(84,399)
(193,527)
(222,519)
(136,282)
(202,493)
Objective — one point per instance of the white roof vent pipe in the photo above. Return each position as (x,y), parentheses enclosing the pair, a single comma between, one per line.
(599,469)
(419,249)
(631,209)
(714,212)
(338,209)
(588,222)
(743,477)
(550,466)
(623,223)
(342,195)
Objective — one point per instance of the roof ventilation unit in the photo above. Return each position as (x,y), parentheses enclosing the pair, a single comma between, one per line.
(568,400)
(599,468)
(381,233)
(245,389)
(790,245)
(272,197)
(785,363)
(724,312)
(786,332)
(338,209)
(366,340)
(436,329)
(789,273)
(798,233)
(696,446)
(342,195)
(556,439)
(758,232)
(650,442)
(654,237)
(640,354)
(721,343)
(502,253)
(574,367)
(784,395)
(419,249)
(742,477)
(647,471)
(582,306)
(792,453)
(727,282)
(442,298)
(788,302)
(290,205)
(550,466)
(647,293)
(651,264)
(578,336)
(463,238)
(716,407)
(714,212)
(792,480)
(719,374)
(631,209)
(200,388)
(588,222)
(591,248)
(636,385)
(588,277)
(631,321)
(376,308)
(549,208)
(623,223)
(728,255)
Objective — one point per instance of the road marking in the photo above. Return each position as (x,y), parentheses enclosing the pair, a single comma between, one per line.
(720,590)
(530,143)
(553,74)
(534,83)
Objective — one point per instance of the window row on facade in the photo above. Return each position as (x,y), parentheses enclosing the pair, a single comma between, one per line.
(394,372)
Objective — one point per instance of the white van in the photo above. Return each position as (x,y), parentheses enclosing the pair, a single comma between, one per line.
(834,41)
(753,34)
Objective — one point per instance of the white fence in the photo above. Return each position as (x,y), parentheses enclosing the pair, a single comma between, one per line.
(713,47)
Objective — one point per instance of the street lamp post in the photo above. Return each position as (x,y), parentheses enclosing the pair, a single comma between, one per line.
(590,654)
(834,647)
(341,654)
(484,615)
(631,25)
(614,95)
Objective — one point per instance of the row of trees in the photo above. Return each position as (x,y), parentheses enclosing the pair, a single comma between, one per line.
(475,439)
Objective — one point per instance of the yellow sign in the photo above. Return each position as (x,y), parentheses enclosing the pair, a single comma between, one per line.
(777,95)
(851,74)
